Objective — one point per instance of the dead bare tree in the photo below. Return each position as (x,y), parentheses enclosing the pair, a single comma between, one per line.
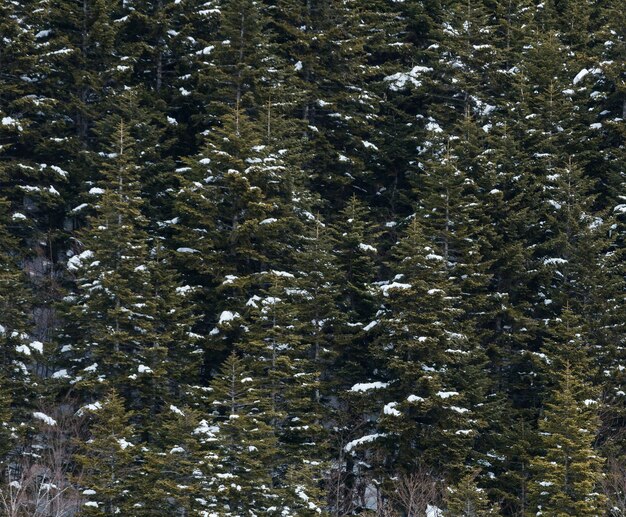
(416,491)
(614,487)
(41,480)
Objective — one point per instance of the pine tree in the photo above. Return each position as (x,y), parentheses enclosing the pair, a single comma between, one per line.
(567,470)
(18,349)
(107,459)
(131,321)
(425,353)
(466,499)
(240,458)
(171,479)
(278,348)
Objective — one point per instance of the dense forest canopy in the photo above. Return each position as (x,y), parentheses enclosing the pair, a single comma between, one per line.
(312,257)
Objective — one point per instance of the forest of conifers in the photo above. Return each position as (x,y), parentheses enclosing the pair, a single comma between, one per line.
(312,257)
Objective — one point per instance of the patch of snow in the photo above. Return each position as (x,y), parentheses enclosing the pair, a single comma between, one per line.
(366,386)
(554,260)
(60,374)
(447,394)
(37,346)
(370,325)
(76,262)
(394,285)
(45,418)
(227,316)
(364,439)
(433,511)
(22,349)
(174,409)
(401,80)
(124,444)
(282,273)
(367,247)
(390,409)
(580,76)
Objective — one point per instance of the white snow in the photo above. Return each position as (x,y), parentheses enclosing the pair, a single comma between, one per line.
(447,394)
(60,374)
(390,409)
(89,407)
(184,290)
(433,511)
(174,409)
(142,368)
(367,247)
(187,250)
(400,80)
(394,285)
(580,76)
(370,325)
(228,316)
(76,262)
(78,208)
(37,346)
(269,220)
(94,191)
(434,127)
(22,349)
(10,121)
(208,430)
(45,418)
(123,443)
(415,398)
(366,386)
(364,439)
(554,260)
(59,171)
(282,273)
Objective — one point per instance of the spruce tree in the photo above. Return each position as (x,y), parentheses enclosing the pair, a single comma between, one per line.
(240,458)
(567,470)
(107,459)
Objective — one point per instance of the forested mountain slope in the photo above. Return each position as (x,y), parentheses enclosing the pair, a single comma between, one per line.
(312,257)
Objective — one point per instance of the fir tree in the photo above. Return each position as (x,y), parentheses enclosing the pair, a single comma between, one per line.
(107,459)
(567,470)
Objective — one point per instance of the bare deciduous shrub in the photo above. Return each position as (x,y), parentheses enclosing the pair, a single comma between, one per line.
(39,480)
(614,487)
